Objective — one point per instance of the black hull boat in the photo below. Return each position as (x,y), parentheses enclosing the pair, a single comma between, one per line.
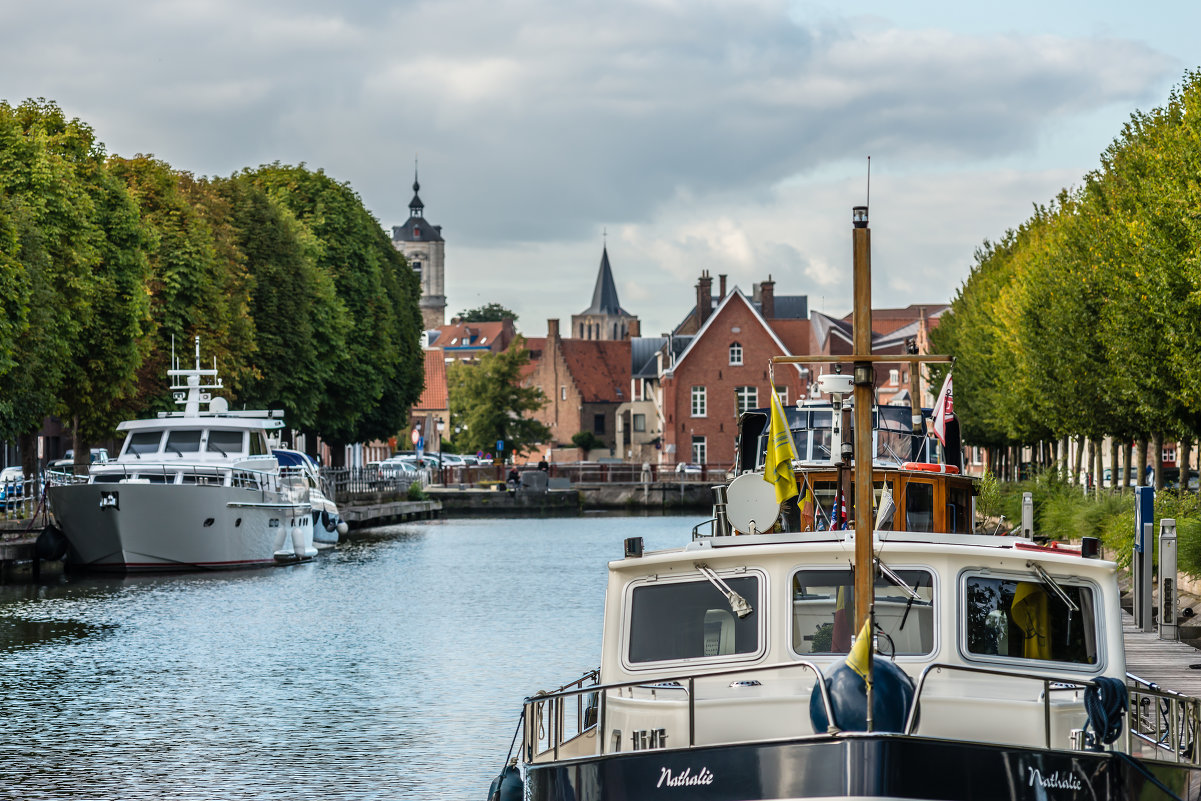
(862,766)
(984,667)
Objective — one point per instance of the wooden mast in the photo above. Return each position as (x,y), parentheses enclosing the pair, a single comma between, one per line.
(864,375)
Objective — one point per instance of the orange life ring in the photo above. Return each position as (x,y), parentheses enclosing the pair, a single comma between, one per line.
(931,467)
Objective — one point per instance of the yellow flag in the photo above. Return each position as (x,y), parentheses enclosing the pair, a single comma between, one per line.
(777,467)
(857,659)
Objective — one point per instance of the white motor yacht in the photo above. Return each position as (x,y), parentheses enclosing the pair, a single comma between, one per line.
(192,489)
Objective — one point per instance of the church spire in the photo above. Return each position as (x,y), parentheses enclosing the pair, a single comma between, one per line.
(416,207)
(604,296)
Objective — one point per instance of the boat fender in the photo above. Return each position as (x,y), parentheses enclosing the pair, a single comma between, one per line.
(1105,701)
(329,521)
(298,542)
(51,544)
(508,785)
(931,467)
(343,527)
(892,696)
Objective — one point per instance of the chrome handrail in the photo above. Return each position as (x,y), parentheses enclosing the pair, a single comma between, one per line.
(556,700)
(1179,715)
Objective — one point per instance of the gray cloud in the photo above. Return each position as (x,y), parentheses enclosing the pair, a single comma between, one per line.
(539,122)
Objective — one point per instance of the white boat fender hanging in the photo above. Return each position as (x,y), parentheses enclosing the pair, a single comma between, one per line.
(298,541)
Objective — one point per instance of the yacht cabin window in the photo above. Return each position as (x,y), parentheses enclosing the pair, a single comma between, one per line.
(823,607)
(1022,618)
(919,506)
(258,443)
(143,442)
(224,442)
(692,620)
(819,503)
(183,441)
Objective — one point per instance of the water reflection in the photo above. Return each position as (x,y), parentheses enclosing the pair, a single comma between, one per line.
(393,667)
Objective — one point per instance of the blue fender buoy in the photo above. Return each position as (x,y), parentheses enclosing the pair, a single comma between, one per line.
(51,544)
(508,786)
(892,695)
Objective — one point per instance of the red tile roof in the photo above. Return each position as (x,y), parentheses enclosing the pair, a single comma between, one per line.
(601,369)
(433,397)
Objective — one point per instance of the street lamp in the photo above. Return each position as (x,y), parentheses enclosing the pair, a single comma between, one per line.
(441,464)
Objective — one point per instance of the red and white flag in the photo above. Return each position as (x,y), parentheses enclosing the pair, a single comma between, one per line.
(944,410)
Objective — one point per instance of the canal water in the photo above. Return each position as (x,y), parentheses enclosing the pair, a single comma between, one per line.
(393,667)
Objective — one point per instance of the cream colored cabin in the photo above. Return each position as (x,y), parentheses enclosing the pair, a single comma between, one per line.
(696,673)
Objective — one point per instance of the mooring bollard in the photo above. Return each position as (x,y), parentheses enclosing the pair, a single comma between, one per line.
(1028,515)
(1140,565)
(1168,594)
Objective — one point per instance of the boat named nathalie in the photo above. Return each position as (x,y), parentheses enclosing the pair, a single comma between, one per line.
(809,646)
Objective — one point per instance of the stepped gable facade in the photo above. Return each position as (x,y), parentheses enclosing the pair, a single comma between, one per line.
(423,247)
(604,319)
(585,381)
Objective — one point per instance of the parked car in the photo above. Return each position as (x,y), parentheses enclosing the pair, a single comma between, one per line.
(398,468)
(687,468)
(12,487)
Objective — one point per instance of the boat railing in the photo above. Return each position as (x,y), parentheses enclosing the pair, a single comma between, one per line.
(240,477)
(1165,720)
(19,497)
(553,718)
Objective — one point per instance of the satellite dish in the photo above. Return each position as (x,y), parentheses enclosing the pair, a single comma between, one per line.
(751,505)
(218,405)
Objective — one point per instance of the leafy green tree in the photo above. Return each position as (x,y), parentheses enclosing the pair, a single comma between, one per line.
(52,246)
(586,441)
(488,313)
(489,399)
(378,371)
(299,321)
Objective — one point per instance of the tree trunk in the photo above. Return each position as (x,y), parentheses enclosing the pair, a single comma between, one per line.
(1141,478)
(1092,459)
(1127,471)
(28,443)
(1077,458)
(1186,456)
(1157,459)
(82,448)
(1061,458)
(1099,471)
(1113,465)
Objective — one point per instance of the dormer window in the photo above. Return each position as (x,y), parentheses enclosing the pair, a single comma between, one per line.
(416,232)
(735,353)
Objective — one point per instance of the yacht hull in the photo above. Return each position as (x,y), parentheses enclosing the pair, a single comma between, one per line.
(858,767)
(164,527)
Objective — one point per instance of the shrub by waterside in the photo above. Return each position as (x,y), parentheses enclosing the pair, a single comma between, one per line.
(1063,512)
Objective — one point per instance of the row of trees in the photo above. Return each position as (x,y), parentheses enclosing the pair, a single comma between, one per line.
(289,281)
(1085,321)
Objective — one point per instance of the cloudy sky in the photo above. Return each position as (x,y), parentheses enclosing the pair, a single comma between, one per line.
(728,136)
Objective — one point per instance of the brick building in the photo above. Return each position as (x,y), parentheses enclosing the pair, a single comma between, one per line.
(585,382)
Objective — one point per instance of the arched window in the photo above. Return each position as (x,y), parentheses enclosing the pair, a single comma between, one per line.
(735,353)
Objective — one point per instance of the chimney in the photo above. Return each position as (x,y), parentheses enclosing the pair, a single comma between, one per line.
(767,298)
(456,320)
(722,283)
(635,328)
(704,298)
(552,330)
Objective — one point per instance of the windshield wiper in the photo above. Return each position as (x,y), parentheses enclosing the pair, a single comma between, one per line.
(897,580)
(738,604)
(1045,578)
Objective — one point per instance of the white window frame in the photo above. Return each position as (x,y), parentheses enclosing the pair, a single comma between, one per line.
(782,392)
(699,450)
(700,402)
(735,353)
(745,399)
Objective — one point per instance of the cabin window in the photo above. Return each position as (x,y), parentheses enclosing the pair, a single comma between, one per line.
(692,620)
(258,443)
(1023,618)
(823,606)
(919,506)
(959,509)
(225,442)
(183,441)
(142,442)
